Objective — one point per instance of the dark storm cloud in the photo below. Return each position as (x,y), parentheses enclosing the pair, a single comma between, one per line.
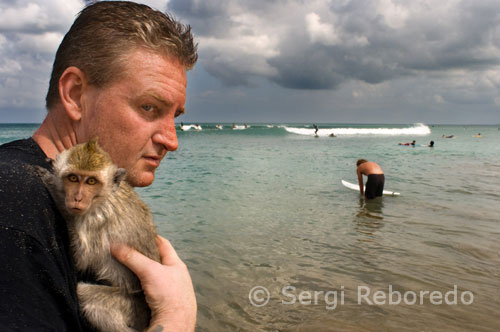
(29,34)
(317,45)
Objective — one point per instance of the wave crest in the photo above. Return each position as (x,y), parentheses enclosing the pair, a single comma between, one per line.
(418,129)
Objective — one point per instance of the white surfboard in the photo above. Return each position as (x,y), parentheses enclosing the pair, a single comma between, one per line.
(356,187)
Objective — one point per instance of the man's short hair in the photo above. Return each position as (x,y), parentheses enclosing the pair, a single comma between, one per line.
(98,41)
(361,161)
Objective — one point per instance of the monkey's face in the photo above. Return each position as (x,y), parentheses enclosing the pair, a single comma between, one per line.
(80,190)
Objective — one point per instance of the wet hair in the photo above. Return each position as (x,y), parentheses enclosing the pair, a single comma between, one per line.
(361,161)
(105,32)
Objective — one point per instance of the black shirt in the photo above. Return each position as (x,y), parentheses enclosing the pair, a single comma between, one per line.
(37,275)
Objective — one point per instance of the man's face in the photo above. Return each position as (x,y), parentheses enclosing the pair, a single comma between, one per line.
(134,116)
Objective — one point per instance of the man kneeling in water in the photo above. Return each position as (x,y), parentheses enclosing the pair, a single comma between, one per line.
(376,179)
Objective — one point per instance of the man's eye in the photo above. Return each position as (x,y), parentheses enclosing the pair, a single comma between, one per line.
(148,108)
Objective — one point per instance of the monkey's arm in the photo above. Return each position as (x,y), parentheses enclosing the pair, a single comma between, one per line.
(167,286)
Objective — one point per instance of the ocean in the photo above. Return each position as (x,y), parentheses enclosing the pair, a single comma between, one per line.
(275,242)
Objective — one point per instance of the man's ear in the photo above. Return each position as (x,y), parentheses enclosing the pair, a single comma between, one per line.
(71,85)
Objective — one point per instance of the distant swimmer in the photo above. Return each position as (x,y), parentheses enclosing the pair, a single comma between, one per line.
(332,135)
(234,126)
(478,135)
(315,130)
(376,178)
(431,144)
(449,136)
(197,127)
(246,126)
(219,126)
(408,144)
(182,126)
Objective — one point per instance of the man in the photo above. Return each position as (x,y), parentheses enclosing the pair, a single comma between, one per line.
(375,183)
(119,74)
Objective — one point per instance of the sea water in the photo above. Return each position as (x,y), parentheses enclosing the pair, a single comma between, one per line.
(274,242)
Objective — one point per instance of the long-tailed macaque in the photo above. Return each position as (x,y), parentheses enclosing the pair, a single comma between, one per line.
(101,209)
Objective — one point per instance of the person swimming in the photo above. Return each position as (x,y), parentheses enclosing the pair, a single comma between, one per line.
(408,144)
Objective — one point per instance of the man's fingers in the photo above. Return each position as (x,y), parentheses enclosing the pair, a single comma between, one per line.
(138,263)
(131,258)
(167,252)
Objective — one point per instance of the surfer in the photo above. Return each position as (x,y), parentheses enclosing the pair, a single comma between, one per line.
(315,130)
(408,144)
(431,144)
(376,178)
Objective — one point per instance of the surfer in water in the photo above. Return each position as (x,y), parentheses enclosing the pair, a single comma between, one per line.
(408,144)
(315,130)
(376,178)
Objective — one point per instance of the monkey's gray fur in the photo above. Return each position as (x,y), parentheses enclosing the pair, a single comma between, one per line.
(116,216)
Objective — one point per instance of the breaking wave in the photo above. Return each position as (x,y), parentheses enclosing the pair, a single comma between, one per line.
(418,129)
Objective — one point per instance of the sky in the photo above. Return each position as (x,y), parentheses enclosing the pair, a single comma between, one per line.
(294,61)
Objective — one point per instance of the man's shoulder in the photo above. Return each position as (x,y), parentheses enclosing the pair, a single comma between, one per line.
(24,151)
(25,203)
(18,178)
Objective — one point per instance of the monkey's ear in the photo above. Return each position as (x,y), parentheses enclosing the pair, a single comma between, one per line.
(120,175)
(50,161)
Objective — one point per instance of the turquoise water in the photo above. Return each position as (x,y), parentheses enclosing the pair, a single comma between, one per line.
(265,207)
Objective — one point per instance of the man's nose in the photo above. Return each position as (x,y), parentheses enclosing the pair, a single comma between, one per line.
(166,135)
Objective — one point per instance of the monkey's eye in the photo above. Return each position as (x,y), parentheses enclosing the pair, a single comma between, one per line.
(73,178)
(92,181)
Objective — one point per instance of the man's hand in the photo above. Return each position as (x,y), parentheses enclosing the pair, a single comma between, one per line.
(167,286)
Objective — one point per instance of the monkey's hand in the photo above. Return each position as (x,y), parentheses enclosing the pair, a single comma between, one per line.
(167,286)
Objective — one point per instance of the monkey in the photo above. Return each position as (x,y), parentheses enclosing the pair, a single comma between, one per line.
(100,209)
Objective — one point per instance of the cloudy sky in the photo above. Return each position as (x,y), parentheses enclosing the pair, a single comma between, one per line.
(338,61)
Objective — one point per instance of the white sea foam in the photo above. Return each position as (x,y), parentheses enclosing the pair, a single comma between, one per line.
(418,129)
(239,127)
(187,127)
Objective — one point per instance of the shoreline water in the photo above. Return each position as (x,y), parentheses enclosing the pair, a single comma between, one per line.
(264,207)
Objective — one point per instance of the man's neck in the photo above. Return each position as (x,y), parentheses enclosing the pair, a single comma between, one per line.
(56,133)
